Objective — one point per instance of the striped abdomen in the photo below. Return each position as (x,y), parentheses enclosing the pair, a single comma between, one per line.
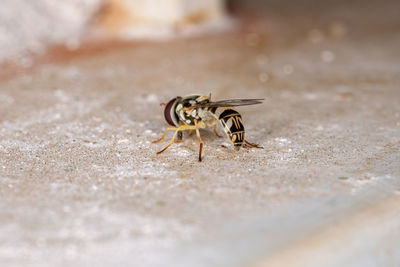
(232,123)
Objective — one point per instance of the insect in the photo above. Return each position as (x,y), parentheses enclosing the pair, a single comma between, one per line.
(194,112)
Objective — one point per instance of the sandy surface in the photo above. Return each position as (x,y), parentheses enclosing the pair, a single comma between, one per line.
(81,185)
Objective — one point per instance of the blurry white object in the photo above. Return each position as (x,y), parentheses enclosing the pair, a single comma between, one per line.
(160,19)
(30,26)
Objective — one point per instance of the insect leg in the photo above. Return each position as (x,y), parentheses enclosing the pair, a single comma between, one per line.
(179,138)
(177,131)
(248,144)
(162,137)
(198,136)
(215,131)
(171,142)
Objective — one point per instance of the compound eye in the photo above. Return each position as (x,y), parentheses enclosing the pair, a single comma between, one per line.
(169,112)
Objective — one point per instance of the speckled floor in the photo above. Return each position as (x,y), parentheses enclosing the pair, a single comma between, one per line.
(81,185)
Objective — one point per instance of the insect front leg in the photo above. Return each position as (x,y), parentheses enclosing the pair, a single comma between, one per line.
(171,142)
(162,137)
(179,138)
(178,130)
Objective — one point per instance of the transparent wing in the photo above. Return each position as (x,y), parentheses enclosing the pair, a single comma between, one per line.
(232,103)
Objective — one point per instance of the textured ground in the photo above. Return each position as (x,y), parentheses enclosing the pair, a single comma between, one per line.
(80,183)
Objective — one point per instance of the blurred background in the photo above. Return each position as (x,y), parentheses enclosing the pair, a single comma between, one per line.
(81,82)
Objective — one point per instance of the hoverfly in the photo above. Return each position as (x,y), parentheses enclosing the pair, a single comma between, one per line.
(194,112)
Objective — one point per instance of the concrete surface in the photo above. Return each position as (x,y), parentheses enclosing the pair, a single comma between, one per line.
(81,185)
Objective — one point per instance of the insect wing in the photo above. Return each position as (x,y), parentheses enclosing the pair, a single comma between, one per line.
(234,102)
